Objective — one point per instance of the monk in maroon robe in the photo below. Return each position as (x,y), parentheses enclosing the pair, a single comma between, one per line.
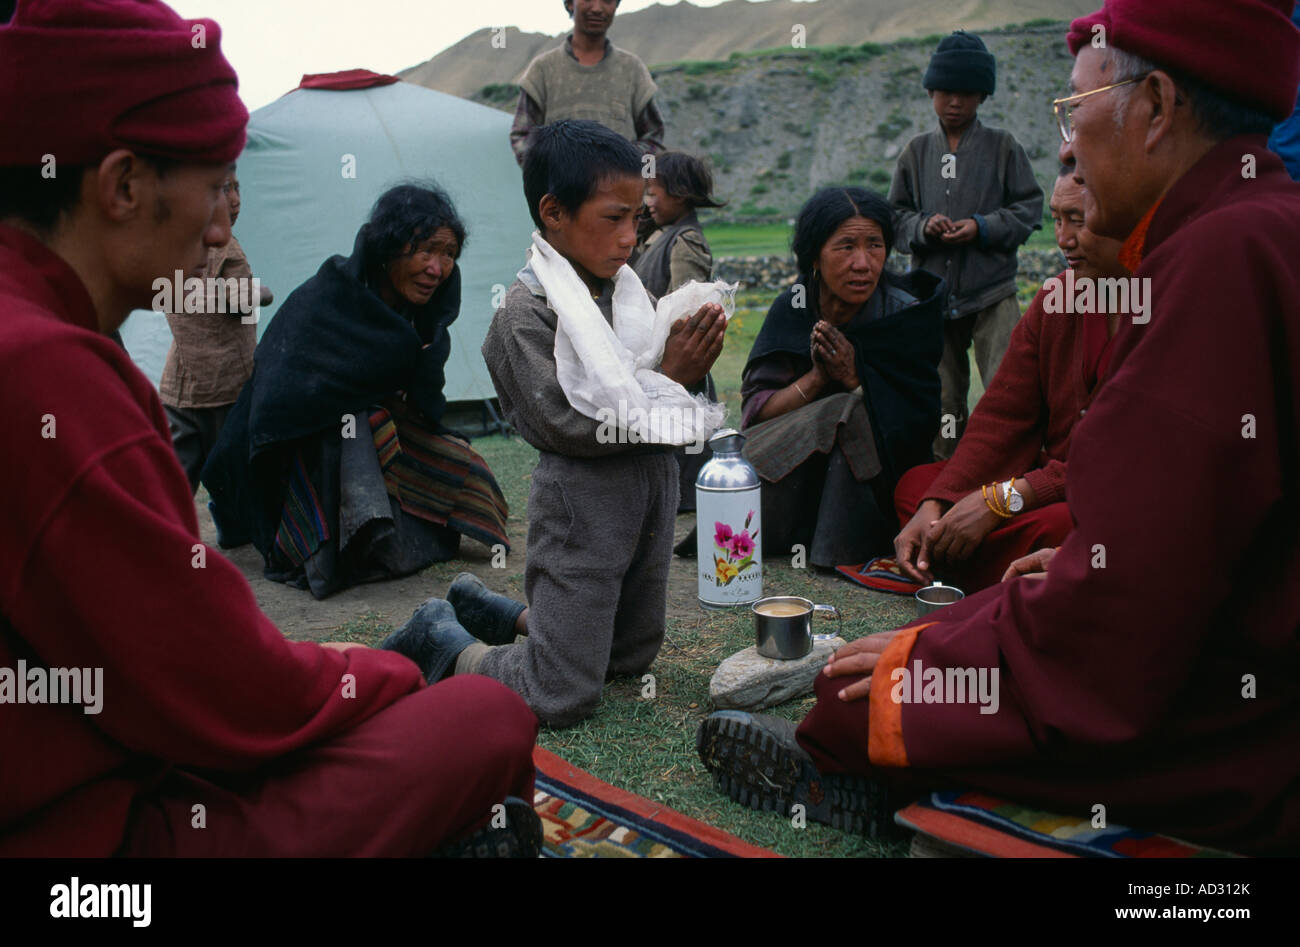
(147,707)
(959,520)
(1155,669)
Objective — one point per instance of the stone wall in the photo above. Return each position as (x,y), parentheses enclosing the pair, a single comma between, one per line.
(775,273)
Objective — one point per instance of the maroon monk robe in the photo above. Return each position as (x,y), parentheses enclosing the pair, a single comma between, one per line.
(101,566)
(1164,684)
(1021,427)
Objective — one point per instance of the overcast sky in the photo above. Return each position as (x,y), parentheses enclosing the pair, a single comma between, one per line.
(272,43)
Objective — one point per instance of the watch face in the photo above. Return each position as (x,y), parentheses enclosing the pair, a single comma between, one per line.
(1015,502)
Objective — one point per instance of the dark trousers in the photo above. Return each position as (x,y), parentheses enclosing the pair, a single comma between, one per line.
(838,519)
(194,434)
(1026,533)
(421,773)
(990,330)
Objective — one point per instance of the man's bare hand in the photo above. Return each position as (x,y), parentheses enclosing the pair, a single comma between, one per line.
(858,657)
(912,545)
(341,645)
(693,345)
(1033,565)
(961,530)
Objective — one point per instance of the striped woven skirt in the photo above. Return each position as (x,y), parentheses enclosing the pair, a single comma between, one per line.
(433,477)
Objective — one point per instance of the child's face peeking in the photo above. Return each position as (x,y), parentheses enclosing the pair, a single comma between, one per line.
(597,238)
(663,207)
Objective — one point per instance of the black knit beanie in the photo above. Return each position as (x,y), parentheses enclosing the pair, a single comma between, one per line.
(961,64)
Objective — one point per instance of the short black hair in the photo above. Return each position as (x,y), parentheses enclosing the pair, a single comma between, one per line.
(39,201)
(686,176)
(403,218)
(569,159)
(826,210)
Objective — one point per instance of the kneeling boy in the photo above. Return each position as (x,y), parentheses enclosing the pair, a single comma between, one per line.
(600,515)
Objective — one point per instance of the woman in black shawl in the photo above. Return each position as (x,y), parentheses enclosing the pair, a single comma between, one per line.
(840,394)
(334,461)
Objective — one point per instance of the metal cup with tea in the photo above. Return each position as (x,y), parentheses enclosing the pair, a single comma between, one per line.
(783,626)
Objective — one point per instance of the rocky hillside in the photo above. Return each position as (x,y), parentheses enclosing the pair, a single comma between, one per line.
(685,32)
(777,124)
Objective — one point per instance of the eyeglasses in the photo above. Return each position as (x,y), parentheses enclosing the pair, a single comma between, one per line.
(1064,108)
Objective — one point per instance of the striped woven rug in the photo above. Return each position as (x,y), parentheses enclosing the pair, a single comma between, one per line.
(584,817)
(973,823)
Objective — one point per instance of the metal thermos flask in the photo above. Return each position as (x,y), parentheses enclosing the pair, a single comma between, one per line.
(728,515)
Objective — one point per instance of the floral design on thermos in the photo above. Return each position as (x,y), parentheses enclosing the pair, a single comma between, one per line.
(737,549)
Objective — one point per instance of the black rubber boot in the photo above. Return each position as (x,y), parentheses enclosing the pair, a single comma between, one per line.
(433,639)
(486,615)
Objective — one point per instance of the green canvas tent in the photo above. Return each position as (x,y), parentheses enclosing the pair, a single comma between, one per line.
(316,160)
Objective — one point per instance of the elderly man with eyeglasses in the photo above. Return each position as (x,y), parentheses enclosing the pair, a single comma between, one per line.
(1155,670)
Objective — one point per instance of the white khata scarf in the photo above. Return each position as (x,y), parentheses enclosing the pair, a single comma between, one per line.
(611,374)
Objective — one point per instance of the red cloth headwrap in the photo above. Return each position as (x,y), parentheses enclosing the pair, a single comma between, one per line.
(1248,49)
(80,78)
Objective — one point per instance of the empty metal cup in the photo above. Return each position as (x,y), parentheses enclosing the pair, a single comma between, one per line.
(936,596)
(789,636)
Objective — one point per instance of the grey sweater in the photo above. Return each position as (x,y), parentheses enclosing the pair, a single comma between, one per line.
(989,180)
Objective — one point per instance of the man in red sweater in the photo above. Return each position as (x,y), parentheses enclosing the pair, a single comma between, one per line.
(1155,669)
(147,707)
(960,517)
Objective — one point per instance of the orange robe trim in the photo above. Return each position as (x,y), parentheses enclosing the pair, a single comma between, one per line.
(1131,253)
(885,733)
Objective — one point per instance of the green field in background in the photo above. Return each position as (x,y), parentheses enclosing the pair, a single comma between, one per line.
(748,239)
(726,240)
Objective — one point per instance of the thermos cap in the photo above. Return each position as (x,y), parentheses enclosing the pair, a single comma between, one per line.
(727,441)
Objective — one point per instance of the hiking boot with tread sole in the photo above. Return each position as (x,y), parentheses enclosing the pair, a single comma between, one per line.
(756,761)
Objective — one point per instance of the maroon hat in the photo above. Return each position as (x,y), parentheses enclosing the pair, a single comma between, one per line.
(1248,49)
(80,78)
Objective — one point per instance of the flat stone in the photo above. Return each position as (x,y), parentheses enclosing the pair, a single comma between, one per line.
(749,681)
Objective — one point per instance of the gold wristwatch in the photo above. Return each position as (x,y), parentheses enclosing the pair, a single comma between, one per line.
(1014,499)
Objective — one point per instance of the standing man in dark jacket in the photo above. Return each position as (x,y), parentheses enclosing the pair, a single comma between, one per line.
(964,199)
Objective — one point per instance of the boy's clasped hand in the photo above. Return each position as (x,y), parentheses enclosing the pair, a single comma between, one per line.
(693,345)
